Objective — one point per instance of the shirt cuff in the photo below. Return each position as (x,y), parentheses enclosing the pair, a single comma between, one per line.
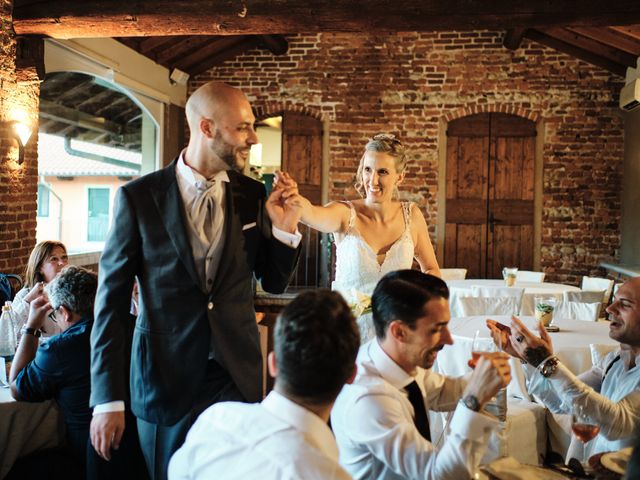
(109,407)
(290,239)
(472,425)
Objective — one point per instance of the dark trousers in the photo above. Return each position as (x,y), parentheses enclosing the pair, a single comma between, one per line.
(159,442)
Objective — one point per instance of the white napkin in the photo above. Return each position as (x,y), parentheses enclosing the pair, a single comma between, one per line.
(508,468)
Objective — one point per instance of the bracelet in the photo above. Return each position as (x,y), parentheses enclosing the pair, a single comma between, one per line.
(548,367)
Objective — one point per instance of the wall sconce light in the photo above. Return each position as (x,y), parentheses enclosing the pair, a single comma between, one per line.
(21,132)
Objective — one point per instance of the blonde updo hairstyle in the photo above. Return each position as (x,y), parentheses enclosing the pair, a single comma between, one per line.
(382,143)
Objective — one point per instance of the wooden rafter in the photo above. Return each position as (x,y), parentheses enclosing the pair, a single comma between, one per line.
(611,37)
(123,18)
(200,60)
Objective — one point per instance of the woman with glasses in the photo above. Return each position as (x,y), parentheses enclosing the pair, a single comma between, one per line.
(375,234)
(45,262)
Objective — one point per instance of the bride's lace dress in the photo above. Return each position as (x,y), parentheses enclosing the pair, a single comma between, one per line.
(358,269)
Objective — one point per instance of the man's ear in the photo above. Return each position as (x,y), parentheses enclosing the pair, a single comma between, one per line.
(397,330)
(272,365)
(66,313)
(207,126)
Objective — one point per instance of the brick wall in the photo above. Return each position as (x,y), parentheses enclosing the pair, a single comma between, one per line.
(18,183)
(407,83)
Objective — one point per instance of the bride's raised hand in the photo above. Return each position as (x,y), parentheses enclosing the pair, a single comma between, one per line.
(283,180)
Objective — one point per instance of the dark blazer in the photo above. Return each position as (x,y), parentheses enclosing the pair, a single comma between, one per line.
(177,315)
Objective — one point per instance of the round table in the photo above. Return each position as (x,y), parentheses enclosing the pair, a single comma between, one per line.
(531,290)
(576,345)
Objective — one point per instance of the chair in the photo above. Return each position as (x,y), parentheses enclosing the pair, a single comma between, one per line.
(588,312)
(582,296)
(488,306)
(527,276)
(593,283)
(453,273)
(497,292)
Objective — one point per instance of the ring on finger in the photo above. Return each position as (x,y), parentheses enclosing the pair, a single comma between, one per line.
(519,338)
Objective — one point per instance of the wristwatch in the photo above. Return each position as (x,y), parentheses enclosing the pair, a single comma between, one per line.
(548,367)
(471,402)
(31,331)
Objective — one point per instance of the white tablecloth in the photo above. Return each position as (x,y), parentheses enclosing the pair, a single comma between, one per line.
(26,427)
(572,345)
(531,290)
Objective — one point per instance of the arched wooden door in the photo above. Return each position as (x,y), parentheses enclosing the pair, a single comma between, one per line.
(490,194)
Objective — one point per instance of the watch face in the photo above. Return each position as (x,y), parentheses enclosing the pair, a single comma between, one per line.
(471,402)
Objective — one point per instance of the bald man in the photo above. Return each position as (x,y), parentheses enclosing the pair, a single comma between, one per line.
(193,234)
(609,393)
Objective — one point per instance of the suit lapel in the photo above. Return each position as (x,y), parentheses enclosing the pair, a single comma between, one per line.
(169,202)
(234,198)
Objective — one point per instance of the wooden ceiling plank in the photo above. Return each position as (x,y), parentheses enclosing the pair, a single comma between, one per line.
(593,46)
(577,52)
(611,37)
(183,47)
(513,38)
(148,45)
(630,30)
(124,18)
(247,43)
(187,62)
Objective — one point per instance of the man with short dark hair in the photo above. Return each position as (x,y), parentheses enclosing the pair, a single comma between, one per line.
(286,436)
(608,393)
(380,420)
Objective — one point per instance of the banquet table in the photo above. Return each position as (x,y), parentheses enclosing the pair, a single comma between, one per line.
(531,290)
(575,344)
(26,427)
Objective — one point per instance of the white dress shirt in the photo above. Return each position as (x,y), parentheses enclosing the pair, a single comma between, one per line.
(373,423)
(273,440)
(613,403)
(205,259)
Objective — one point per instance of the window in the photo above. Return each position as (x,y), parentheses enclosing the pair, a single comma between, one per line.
(43,200)
(98,209)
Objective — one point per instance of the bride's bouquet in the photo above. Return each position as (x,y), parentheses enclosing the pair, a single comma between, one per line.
(362,303)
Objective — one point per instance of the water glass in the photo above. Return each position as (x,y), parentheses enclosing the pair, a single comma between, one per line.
(510,274)
(544,308)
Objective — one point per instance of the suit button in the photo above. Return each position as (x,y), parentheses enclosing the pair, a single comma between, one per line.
(210,306)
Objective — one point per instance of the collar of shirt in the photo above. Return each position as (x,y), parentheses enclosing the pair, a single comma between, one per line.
(193,180)
(388,369)
(314,429)
(625,356)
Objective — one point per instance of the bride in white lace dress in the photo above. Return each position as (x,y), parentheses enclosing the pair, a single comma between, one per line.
(376,234)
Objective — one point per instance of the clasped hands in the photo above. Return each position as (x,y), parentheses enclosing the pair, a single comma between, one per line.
(520,342)
(283,205)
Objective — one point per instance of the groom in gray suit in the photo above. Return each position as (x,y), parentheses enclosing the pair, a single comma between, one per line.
(193,234)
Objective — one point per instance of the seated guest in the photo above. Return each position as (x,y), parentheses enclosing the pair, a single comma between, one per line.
(286,436)
(45,262)
(380,421)
(59,368)
(609,392)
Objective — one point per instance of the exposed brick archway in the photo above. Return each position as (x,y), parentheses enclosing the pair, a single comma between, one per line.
(272,109)
(510,109)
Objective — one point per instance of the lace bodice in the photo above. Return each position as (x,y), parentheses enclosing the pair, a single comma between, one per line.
(357,266)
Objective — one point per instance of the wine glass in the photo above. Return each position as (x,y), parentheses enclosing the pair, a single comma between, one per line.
(480,345)
(582,425)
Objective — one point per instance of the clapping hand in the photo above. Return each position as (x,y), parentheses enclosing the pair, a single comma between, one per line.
(522,343)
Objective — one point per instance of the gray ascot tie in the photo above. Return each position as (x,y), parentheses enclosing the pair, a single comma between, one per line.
(203,210)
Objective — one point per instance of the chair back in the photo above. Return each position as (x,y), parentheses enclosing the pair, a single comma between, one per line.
(497,292)
(594,283)
(455,293)
(528,276)
(453,273)
(587,312)
(470,306)
(583,296)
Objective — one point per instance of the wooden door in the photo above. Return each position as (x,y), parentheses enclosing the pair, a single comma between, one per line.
(489,194)
(302,158)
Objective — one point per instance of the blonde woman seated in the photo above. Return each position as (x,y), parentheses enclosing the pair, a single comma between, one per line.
(376,234)
(46,261)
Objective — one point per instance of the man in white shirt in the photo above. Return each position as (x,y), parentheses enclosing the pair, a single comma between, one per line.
(609,392)
(380,421)
(286,437)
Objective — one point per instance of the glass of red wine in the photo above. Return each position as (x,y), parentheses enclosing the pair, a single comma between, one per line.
(584,428)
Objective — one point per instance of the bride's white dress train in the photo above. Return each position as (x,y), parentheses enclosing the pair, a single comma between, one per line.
(358,269)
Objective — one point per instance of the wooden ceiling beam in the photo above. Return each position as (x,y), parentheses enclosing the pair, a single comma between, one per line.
(124,18)
(592,46)
(612,37)
(577,52)
(513,38)
(148,45)
(183,47)
(630,30)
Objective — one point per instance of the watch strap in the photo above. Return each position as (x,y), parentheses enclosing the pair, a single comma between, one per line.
(31,331)
(471,402)
(548,367)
